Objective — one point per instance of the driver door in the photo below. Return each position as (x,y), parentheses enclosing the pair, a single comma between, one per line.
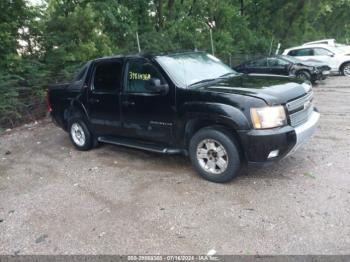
(278,66)
(146,115)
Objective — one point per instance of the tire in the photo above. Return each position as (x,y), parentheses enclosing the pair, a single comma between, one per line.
(345,69)
(303,75)
(79,134)
(208,163)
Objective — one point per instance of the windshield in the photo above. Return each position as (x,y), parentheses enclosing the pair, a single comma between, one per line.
(190,68)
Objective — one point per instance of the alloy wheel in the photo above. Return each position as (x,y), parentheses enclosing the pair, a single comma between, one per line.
(78,134)
(212,156)
(346,70)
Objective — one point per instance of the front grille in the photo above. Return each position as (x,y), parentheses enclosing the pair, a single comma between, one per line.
(300,109)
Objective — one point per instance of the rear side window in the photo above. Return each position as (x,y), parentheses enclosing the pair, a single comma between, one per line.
(322,51)
(107,76)
(79,76)
(301,52)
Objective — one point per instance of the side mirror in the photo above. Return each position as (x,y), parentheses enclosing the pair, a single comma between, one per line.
(155,85)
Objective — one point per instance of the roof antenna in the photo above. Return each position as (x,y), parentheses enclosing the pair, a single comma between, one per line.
(138,42)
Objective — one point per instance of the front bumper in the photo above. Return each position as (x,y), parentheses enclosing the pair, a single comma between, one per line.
(320,75)
(305,131)
(258,145)
(325,74)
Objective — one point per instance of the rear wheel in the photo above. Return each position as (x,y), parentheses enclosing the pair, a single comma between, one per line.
(79,134)
(215,155)
(304,75)
(346,69)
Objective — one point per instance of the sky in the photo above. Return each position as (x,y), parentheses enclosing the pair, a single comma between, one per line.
(35,2)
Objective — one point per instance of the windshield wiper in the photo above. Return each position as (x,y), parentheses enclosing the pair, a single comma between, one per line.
(203,81)
(213,79)
(228,74)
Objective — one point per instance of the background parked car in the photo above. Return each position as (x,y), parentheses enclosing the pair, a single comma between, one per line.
(337,59)
(285,65)
(330,42)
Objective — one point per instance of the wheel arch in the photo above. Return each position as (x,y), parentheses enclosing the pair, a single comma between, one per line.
(302,70)
(76,109)
(194,125)
(342,66)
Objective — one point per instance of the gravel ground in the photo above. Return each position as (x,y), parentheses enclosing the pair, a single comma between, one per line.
(114,200)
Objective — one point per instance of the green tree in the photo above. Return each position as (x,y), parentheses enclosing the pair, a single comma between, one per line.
(11,19)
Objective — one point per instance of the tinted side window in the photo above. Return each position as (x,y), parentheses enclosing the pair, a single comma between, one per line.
(257,63)
(107,76)
(301,52)
(275,62)
(139,72)
(80,74)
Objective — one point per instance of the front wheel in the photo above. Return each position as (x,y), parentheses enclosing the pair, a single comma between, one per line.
(303,75)
(79,134)
(215,155)
(346,69)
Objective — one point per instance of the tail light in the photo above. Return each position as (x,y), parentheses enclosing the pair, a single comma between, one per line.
(48,102)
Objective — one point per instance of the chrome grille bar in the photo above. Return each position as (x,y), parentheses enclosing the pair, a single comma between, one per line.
(300,109)
(295,104)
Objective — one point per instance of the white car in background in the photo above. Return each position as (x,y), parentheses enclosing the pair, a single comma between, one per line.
(330,42)
(337,59)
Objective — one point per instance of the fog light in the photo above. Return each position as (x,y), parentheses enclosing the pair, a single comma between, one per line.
(273,153)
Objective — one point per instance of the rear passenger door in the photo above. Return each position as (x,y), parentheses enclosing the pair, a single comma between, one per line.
(305,54)
(103,99)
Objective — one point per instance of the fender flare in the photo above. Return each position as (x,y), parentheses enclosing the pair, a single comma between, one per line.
(199,114)
(76,108)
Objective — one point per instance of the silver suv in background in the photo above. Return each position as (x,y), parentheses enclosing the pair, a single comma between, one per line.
(330,42)
(337,59)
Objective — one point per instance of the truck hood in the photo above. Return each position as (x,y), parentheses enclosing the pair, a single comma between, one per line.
(272,89)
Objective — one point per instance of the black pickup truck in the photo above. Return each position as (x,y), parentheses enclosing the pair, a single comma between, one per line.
(189,103)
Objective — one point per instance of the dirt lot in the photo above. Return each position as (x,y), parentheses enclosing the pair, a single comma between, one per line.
(114,200)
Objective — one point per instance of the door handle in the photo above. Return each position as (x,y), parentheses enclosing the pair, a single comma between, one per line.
(94,100)
(128,103)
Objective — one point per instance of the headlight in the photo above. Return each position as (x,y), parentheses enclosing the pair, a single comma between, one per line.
(307,86)
(268,117)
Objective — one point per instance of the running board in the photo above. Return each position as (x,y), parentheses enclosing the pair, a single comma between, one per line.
(139,145)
